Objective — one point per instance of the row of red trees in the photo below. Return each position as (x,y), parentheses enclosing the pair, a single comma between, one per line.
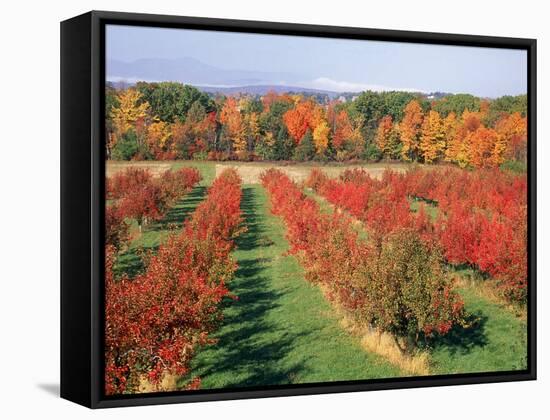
(156,321)
(395,283)
(481,222)
(136,194)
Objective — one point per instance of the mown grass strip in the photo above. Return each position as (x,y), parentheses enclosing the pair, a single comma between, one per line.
(281,330)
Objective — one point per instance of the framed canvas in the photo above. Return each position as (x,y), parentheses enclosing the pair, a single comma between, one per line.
(257,209)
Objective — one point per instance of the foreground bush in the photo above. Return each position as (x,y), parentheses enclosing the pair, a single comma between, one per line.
(156,321)
(407,290)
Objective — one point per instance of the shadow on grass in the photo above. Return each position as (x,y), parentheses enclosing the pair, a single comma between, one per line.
(462,340)
(177,214)
(250,348)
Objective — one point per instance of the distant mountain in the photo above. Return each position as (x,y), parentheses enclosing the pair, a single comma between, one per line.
(263,89)
(191,71)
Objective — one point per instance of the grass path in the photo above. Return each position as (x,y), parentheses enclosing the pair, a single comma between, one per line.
(281,330)
(496,341)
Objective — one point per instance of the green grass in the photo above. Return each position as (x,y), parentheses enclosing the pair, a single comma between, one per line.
(431,209)
(496,342)
(281,330)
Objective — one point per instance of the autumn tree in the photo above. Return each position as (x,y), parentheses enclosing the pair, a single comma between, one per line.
(409,129)
(129,111)
(298,120)
(231,117)
(432,139)
(482,144)
(343,130)
(158,134)
(450,126)
(252,129)
(387,137)
(458,145)
(513,143)
(320,137)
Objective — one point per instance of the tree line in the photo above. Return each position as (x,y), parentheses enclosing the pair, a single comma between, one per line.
(169,120)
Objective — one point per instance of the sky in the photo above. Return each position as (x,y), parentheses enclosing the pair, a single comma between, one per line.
(327,63)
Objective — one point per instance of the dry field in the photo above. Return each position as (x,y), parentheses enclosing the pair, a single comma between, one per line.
(250,172)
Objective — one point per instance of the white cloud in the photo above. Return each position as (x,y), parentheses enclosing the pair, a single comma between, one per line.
(326,83)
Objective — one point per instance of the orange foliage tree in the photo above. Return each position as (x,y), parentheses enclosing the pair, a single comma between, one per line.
(298,120)
(482,144)
(343,130)
(513,130)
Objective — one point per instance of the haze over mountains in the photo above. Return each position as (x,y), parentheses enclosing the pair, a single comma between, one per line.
(214,79)
(192,71)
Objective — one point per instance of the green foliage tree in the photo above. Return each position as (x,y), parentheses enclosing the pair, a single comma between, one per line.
(171,101)
(306,149)
(505,105)
(196,113)
(457,104)
(371,106)
(283,146)
(395,102)
(272,121)
(372,153)
(126,147)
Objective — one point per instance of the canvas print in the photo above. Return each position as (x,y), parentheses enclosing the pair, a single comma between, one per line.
(284,210)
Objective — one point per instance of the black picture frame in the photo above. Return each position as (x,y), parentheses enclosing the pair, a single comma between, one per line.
(82,206)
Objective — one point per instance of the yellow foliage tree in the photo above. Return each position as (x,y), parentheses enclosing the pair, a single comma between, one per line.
(387,137)
(432,139)
(231,117)
(320,137)
(450,125)
(130,110)
(158,134)
(252,126)
(409,130)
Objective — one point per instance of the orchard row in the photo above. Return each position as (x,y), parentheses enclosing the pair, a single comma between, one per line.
(481,215)
(155,322)
(395,282)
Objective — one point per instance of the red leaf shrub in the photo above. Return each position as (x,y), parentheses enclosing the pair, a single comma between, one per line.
(116,229)
(156,321)
(474,208)
(142,197)
(483,221)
